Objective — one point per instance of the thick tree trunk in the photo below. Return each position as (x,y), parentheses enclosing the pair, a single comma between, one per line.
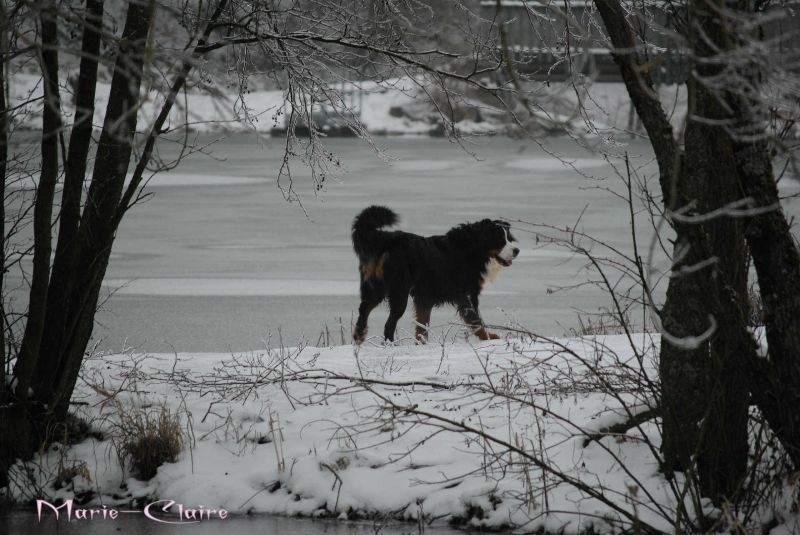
(704,387)
(3,166)
(776,389)
(24,425)
(711,181)
(62,277)
(681,377)
(683,315)
(700,382)
(97,228)
(43,209)
(81,328)
(6,409)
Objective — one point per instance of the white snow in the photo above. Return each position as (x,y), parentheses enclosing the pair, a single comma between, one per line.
(296,432)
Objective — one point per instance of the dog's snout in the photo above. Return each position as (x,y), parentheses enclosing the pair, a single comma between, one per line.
(515,250)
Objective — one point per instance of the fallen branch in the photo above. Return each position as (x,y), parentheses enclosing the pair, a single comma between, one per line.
(621,428)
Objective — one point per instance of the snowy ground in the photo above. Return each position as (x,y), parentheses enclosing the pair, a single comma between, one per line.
(325,432)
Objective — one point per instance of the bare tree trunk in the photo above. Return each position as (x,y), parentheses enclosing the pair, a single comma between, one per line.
(712,183)
(96,231)
(682,315)
(3,163)
(83,324)
(702,382)
(43,209)
(62,277)
(721,430)
(775,380)
(703,388)
(776,389)
(24,426)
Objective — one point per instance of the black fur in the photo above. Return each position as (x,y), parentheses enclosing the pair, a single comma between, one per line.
(434,270)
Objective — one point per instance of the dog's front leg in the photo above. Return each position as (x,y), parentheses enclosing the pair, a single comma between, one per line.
(422,321)
(468,310)
(371,296)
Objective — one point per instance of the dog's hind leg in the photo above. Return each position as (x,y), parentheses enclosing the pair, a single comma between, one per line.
(468,310)
(398,301)
(422,321)
(372,293)
(397,281)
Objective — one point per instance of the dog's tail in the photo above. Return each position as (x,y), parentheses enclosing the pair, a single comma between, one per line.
(365,225)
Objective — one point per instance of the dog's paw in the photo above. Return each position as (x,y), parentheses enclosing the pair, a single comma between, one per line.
(359,336)
(483,334)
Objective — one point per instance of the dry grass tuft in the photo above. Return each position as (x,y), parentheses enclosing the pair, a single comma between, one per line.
(150,439)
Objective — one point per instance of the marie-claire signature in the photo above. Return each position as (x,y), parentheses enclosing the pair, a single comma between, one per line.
(163,511)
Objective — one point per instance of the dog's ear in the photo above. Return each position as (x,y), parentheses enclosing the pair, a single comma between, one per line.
(506,226)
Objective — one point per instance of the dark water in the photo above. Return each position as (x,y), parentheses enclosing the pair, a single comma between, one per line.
(25,523)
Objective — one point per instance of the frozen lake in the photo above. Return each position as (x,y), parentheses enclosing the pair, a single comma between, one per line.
(217,260)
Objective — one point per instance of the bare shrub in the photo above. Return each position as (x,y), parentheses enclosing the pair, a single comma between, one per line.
(149,439)
(68,472)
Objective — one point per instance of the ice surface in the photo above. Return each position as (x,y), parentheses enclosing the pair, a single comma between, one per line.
(550,163)
(238,287)
(218,264)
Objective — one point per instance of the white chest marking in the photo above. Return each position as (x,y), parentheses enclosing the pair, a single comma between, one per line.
(491,270)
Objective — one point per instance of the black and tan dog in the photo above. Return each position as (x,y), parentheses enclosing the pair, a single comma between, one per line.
(450,268)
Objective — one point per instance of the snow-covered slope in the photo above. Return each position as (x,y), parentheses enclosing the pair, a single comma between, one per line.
(401,430)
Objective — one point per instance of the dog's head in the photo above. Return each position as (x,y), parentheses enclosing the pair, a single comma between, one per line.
(497,241)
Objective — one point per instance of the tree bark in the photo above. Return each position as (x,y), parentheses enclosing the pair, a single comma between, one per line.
(3,165)
(721,447)
(43,209)
(776,389)
(682,315)
(63,273)
(96,231)
(703,382)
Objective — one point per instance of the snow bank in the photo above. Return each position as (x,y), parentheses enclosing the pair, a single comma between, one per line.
(325,432)
(506,433)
